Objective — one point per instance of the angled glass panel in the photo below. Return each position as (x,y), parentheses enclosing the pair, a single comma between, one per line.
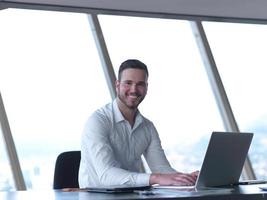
(179,100)
(240,54)
(51,81)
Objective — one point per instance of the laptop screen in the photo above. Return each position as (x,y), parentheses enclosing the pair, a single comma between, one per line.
(224,159)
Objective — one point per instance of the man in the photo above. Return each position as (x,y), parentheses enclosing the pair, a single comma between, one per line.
(117,135)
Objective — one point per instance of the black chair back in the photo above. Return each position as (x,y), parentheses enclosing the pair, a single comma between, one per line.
(67,170)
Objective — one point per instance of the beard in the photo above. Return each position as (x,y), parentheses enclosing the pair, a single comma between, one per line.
(131,104)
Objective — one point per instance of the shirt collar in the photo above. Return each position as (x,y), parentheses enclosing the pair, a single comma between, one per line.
(117,113)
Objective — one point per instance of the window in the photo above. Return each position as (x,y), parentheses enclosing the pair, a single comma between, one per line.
(51,81)
(239,51)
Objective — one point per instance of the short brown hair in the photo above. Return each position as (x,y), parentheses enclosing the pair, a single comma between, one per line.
(132,64)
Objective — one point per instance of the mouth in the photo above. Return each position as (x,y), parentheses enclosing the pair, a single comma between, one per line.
(133,96)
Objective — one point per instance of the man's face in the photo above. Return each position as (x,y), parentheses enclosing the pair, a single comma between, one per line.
(132,87)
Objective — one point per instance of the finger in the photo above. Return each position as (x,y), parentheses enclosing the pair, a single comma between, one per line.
(195,173)
(185,179)
(189,177)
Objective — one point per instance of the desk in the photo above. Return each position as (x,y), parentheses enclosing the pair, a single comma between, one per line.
(245,192)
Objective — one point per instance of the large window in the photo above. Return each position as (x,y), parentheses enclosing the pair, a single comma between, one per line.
(51,80)
(240,54)
(179,99)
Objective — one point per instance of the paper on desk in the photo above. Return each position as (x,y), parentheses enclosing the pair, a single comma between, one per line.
(205,191)
(173,187)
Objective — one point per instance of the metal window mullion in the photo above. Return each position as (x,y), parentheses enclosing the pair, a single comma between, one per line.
(11,150)
(218,88)
(103,53)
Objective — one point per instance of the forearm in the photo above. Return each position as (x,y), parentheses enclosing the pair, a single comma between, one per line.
(161,179)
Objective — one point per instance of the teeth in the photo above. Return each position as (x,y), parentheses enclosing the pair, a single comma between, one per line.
(133,95)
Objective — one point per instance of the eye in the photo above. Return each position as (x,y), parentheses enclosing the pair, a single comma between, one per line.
(128,83)
(141,84)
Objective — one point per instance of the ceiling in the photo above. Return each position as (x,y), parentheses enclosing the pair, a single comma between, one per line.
(219,10)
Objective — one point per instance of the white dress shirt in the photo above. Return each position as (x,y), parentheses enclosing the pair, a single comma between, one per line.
(111,150)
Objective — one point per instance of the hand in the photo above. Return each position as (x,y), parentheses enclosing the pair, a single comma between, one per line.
(195,174)
(174,178)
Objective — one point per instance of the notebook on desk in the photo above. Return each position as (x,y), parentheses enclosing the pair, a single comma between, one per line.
(223,161)
(118,188)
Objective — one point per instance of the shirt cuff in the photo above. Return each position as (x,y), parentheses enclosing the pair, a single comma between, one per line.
(142,179)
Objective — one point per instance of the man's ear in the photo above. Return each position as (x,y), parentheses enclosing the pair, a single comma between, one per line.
(117,83)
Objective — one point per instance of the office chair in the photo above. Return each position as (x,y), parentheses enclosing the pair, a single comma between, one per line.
(66,170)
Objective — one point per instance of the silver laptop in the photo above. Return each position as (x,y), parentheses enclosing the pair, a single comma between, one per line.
(224,159)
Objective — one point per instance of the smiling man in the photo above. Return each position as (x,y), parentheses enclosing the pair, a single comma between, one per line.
(117,135)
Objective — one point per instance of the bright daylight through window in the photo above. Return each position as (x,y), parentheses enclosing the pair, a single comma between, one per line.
(241,60)
(51,80)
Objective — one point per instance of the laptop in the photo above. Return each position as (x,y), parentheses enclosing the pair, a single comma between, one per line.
(223,161)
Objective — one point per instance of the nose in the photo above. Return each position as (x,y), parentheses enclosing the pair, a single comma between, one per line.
(133,87)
